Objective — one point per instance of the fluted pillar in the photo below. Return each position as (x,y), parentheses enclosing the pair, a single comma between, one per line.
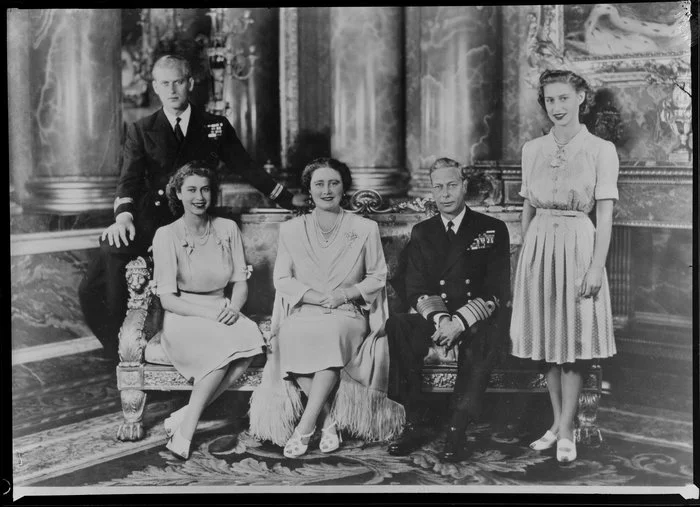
(619,270)
(75,85)
(453,86)
(367,95)
(19,124)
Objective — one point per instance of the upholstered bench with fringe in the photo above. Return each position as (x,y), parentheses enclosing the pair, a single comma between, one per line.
(145,367)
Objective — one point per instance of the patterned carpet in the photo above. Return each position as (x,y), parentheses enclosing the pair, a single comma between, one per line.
(226,458)
(86,455)
(66,412)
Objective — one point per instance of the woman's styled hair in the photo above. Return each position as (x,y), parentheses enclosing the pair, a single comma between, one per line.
(197,168)
(334,164)
(566,76)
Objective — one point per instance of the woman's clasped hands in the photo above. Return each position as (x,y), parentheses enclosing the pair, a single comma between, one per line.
(333,300)
(228,314)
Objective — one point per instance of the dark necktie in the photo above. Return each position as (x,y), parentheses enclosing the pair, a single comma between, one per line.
(451,234)
(179,136)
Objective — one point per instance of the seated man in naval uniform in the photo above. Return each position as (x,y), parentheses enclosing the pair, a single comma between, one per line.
(456,275)
(154,148)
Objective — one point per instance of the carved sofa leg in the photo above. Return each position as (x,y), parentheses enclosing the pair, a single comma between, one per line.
(588,432)
(133,403)
(133,336)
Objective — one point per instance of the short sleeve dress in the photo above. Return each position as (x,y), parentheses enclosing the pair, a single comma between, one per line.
(550,321)
(198,270)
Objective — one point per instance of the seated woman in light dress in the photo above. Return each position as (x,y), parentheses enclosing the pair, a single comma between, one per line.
(205,335)
(327,326)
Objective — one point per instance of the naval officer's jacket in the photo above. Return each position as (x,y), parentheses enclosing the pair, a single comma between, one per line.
(152,155)
(468,276)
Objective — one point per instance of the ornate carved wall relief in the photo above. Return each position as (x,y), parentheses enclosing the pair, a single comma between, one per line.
(638,54)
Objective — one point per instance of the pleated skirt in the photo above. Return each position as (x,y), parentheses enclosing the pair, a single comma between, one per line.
(197,346)
(550,321)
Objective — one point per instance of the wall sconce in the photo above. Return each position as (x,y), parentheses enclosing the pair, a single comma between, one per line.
(232,68)
(226,58)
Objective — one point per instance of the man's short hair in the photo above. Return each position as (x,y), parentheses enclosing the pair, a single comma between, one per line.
(443,162)
(171,61)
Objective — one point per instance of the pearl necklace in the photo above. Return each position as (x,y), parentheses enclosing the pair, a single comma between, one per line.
(201,238)
(326,238)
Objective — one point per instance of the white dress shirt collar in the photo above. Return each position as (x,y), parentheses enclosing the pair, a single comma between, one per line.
(184,119)
(457,221)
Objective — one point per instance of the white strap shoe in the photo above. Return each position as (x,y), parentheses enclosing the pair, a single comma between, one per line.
(330,440)
(179,445)
(172,423)
(546,441)
(298,444)
(566,450)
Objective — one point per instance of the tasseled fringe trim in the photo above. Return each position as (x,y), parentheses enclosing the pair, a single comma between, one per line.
(365,413)
(274,411)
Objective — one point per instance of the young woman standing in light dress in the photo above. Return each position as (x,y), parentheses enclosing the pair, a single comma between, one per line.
(561,303)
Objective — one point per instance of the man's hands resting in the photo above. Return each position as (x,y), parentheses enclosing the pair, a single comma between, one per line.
(121,231)
(448,331)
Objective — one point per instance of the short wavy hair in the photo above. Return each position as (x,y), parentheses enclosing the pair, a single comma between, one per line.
(337,165)
(170,61)
(566,76)
(443,162)
(197,168)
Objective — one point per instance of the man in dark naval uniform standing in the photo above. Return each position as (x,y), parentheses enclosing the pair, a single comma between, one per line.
(457,278)
(155,147)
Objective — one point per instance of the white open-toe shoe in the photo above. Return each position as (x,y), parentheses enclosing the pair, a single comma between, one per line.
(330,441)
(298,444)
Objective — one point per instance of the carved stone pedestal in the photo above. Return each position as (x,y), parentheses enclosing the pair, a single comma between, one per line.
(587,431)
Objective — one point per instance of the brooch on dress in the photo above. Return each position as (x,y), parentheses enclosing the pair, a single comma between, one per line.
(350,237)
(559,157)
(188,246)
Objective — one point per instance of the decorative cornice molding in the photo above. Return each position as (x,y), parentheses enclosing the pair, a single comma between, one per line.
(636,173)
(651,224)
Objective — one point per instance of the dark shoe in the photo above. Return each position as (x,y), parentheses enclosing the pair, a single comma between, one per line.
(454,449)
(408,442)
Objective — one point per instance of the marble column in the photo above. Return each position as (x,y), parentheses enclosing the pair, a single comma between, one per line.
(367,96)
(251,101)
(74,85)
(453,83)
(19,123)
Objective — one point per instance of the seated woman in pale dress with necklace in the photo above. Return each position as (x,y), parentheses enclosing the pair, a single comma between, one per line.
(327,327)
(205,335)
